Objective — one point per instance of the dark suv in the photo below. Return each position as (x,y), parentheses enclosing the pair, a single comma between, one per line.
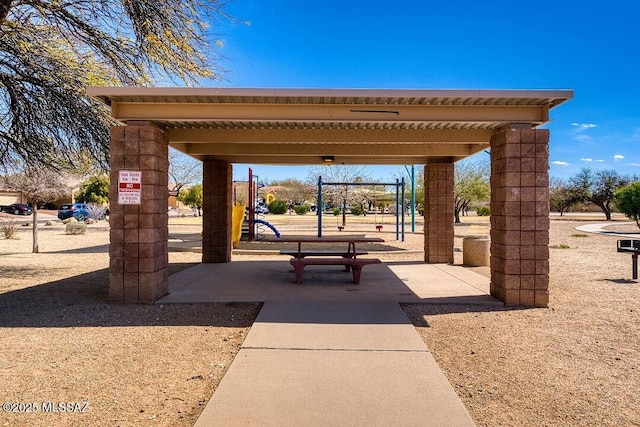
(18,209)
(80,211)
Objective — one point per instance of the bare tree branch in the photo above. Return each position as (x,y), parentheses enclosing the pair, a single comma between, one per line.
(50,51)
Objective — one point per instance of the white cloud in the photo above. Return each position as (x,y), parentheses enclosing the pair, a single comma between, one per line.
(592,160)
(637,165)
(582,126)
(559,163)
(618,157)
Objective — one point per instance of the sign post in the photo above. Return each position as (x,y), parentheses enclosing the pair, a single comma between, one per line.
(129,187)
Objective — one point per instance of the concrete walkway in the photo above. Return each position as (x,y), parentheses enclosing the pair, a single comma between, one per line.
(599,228)
(333,363)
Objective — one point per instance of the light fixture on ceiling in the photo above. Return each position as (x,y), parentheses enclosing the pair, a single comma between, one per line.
(328,159)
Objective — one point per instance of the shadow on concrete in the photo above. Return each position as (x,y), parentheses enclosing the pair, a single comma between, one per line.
(273,279)
(82,301)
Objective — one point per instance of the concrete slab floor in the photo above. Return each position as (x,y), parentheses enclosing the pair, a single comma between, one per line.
(271,278)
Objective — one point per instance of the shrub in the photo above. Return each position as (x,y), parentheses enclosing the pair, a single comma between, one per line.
(8,227)
(277,207)
(483,211)
(76,228)
(356,210)
(336,211)
(628,201)
(301,209)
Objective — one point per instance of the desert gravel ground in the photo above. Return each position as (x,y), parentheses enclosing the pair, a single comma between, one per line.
(126,365)
(575,363)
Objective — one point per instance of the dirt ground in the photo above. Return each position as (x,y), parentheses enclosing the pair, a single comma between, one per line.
(125,365)
(575,363)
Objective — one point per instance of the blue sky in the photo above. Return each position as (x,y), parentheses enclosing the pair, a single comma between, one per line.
(588,46)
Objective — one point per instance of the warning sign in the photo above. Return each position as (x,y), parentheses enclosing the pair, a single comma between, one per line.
(129,187)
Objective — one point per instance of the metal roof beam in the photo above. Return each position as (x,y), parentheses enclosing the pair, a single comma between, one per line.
(180,112)
(361,136)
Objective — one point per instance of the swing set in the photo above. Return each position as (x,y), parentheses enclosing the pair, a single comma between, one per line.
(399,211)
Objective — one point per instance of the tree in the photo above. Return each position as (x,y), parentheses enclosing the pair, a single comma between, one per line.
(39,186)
(598,187)
(183,170)
(94,189)
(192,197)
(471,184)
(296,191)
(50,51)
(344,174)
(561,196)
(627,200)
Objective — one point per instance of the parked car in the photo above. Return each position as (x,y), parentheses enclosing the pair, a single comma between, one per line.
(80,211)
(18,209)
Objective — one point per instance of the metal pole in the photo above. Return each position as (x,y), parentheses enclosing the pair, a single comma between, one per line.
(251,211)
(634,266)
(413,198)
(319,207)
(403,209)
(397,213)
(412,175)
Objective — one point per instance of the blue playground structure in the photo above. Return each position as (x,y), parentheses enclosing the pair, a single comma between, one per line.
(263,222)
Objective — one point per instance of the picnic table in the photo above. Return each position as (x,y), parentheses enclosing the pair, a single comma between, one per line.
(348,258)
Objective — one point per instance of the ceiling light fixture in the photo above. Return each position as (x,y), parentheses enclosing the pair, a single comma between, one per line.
(328,159)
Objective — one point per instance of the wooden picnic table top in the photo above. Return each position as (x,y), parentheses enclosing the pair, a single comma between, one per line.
(332,239)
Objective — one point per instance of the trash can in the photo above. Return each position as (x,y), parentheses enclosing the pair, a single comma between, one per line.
(475,251)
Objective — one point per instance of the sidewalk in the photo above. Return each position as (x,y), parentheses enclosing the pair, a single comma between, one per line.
(333,363)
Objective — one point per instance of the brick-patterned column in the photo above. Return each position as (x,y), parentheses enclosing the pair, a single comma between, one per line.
(520,216)
(216,216)
(138,251)
(438,212)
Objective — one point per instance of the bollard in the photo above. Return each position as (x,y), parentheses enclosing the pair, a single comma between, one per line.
(475,251)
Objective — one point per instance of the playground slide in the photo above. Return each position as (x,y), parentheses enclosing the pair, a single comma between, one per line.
(260,221)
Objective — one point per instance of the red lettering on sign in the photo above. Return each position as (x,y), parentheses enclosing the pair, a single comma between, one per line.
(129,186)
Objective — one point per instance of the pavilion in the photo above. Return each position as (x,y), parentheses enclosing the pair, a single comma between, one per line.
(355,126)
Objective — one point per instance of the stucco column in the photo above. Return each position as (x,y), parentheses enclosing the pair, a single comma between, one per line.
(216,216)
(138,252)
(438,213)
(520,216)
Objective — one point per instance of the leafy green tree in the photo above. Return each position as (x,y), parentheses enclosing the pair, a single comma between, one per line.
(50,51)
(192,197)
(94,189)
(598,187)
(471,184)
(561,196)
(627,200)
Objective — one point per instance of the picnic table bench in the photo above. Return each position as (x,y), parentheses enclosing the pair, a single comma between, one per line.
(349,258)
(632,247)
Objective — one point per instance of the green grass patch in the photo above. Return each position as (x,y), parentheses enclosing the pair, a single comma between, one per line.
(579,235)
(560,246)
